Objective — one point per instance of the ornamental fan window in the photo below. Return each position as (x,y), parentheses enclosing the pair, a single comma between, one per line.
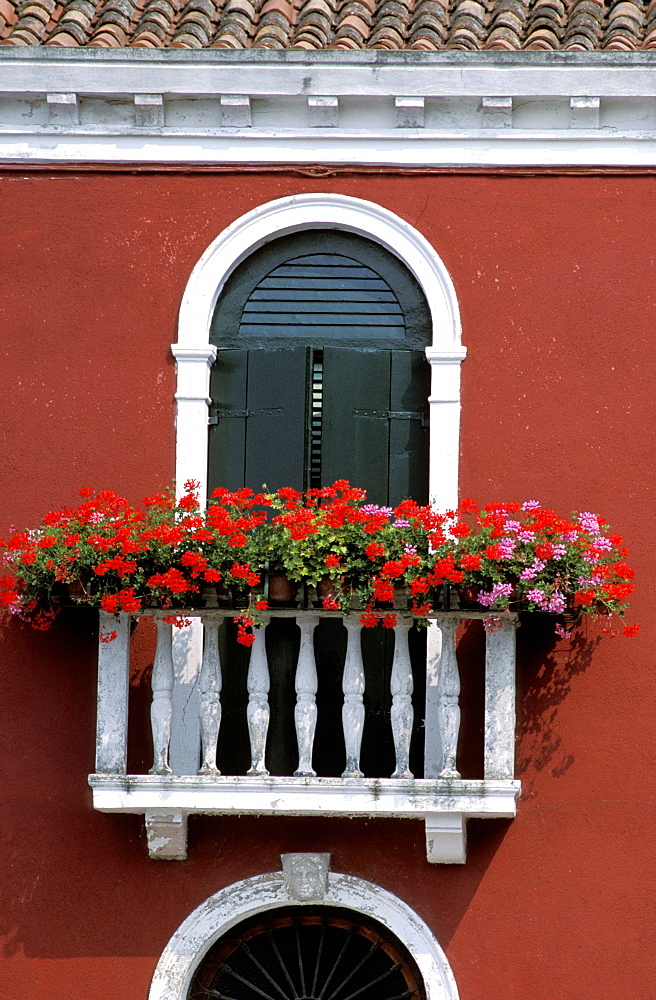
(308,953)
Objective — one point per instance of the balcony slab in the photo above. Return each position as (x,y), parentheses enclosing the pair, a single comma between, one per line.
(444,804)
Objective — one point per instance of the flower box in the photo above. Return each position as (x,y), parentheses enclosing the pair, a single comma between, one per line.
(173,555)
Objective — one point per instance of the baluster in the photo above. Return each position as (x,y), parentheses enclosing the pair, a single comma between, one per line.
(305,712)
(448,711)
(499,755)
(210,683)
(353,688)
(257,713)
(161,709)
(401,688)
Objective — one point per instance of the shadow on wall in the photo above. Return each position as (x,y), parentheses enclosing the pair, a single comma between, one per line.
(546,667)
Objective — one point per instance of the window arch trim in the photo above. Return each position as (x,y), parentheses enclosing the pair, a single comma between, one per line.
(194,353)
(228,907)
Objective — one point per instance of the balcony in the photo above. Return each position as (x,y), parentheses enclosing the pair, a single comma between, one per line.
(186,718)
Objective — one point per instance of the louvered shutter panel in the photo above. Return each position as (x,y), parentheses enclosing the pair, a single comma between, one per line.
(326,296)
(355,432)
(227,437)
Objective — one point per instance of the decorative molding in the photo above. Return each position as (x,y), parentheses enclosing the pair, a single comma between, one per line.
(403,109)
(497,111)
(271,795)
(263,893)
(63,109)
(585,112)
(236,111)
(323,112)
(149,110)
(449,149)
(446,838)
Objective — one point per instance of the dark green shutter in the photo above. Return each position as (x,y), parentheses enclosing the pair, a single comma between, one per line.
(257,433)
(355,432)
(227,438)
(408,445)
(375,422)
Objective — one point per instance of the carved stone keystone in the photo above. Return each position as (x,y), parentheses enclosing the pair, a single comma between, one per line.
(306,876)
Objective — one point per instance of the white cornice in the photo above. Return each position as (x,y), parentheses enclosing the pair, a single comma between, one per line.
(438,74)
(385,109)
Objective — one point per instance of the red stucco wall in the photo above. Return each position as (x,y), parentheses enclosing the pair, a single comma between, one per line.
(554,276)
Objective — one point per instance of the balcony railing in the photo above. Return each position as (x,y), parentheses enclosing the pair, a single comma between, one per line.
(186,718)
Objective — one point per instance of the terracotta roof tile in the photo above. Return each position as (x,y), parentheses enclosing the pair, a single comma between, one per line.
(510,25)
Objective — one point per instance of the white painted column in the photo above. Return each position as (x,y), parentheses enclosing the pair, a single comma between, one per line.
(161,709)
(305,712)
(257,713)
(353,707)
(187,646)
(193,364)
(113,688)
(401,687)
(210,683)
(448,698)
(444,411)
(499,756)
(193,399)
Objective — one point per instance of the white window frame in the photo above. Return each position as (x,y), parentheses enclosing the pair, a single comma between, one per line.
(195,354)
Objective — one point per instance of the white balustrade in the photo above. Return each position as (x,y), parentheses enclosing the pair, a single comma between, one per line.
(401,686)
(442,798)
(353,688)
(210,683)
(305,712)
(161,709)
(257,713)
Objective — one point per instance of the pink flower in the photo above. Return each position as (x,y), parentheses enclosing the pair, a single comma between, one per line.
(557,602)
(589,522)
(507,547)
(538,597)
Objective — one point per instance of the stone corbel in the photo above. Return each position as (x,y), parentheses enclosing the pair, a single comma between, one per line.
(446,838)
(167,835)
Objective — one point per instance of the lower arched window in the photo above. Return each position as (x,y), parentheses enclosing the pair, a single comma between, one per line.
(308,953)
(292,936)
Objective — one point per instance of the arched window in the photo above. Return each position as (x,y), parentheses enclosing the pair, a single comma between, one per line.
(408,265)
(354,929)
(321,371)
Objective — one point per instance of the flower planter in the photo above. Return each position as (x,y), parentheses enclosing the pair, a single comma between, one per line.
(326,588)
(468,598)
(281,590)
(172,554)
